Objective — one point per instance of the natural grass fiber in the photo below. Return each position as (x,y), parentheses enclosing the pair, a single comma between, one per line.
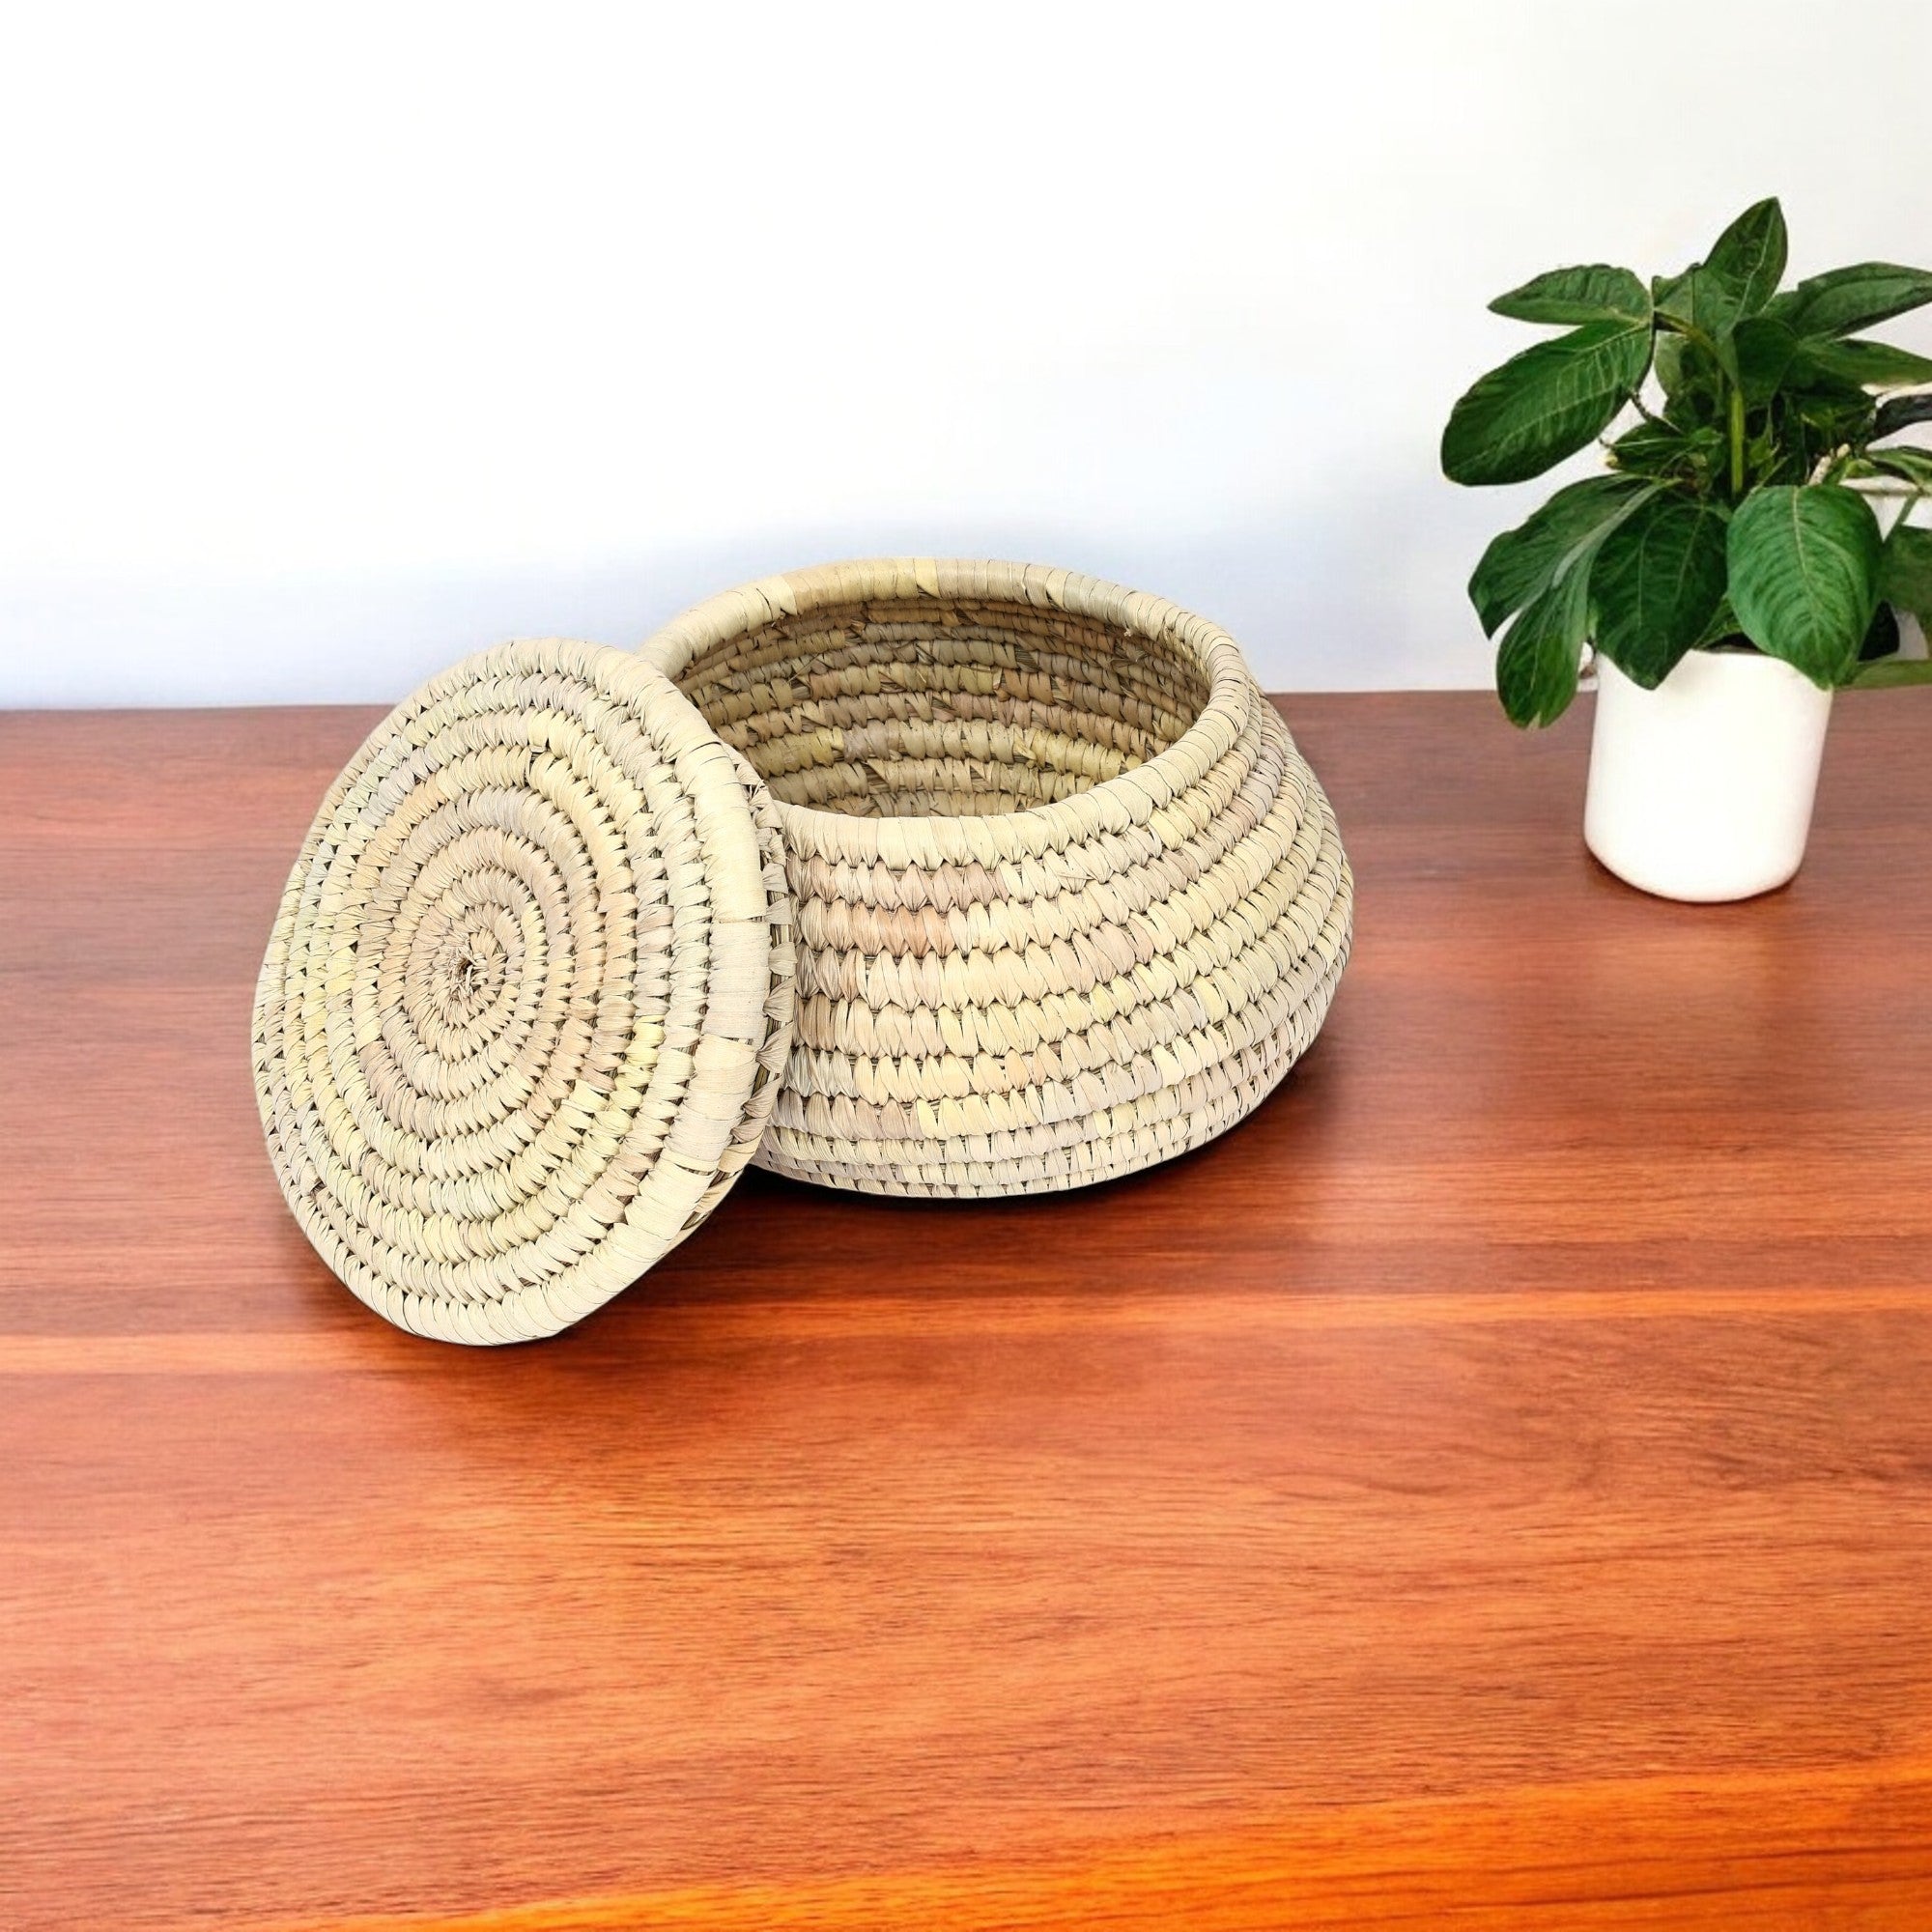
(1069,901)
(528,994)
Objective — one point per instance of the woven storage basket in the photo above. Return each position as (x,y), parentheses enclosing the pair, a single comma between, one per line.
(1027,861)
(1068,901)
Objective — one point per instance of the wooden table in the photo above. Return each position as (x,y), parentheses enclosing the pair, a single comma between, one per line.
(1491,1488)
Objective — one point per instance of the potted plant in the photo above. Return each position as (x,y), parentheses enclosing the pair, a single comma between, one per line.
(1731,570)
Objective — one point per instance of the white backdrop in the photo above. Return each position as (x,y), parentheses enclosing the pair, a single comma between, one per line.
(340,344)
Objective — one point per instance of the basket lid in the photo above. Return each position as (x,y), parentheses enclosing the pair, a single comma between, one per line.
(529,997)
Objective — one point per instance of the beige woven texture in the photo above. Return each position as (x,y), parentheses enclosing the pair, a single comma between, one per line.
(1069,901)
(528,996)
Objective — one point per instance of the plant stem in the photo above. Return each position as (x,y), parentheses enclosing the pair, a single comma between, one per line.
(1690,332)
(1737,441)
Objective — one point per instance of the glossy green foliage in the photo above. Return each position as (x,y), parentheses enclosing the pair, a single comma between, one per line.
(1728,514)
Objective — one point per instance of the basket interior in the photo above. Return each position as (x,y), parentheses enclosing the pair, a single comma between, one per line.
(890,710)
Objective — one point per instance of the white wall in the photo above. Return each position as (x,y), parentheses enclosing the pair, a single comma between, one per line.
(339,344)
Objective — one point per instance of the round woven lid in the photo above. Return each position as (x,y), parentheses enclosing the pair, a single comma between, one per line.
(529,997)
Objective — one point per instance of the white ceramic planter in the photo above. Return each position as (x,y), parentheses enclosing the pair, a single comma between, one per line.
(1702,788)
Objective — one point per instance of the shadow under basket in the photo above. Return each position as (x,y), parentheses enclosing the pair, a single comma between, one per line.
(1068,901)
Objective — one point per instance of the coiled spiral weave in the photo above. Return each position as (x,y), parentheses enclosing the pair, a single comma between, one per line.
(528,995)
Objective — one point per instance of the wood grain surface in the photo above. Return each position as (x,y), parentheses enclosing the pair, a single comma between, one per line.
(1492,1487)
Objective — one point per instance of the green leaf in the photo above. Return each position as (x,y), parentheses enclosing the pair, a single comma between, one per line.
(1722,625)
(1747,262)
(1845,300)
(1656,582)
(1685,298)
(1888,673)
(1901,413)
(1694,382)
(1804,567)
(1672,371)
(1545,404)
(1538,658)
(1698,300)
(1763,347)
(1823,416)
(1737,278)
(1908,462)
(1905,571)
(1650,444)
(1595,293)
(1871,365)
(1521,562)
(1664,449)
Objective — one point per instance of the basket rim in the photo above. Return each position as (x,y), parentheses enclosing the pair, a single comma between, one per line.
(1129,799)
